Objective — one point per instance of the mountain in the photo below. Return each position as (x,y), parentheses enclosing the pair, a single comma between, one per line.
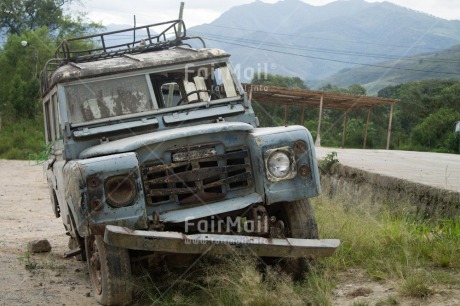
(293,38)
(432,65)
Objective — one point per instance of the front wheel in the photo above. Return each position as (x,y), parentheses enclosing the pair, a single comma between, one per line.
(301,223)
(110,271)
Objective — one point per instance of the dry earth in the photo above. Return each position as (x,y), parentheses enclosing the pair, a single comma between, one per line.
(52,280)
(26,215)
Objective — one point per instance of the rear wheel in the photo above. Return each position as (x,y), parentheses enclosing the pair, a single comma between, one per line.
(110,271)
(301,223)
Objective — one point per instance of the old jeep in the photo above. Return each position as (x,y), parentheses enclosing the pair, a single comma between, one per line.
(156,151)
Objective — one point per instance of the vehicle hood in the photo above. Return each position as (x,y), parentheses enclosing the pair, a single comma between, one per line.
(135,142)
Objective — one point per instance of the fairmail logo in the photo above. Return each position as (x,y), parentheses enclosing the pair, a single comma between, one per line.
(226,225)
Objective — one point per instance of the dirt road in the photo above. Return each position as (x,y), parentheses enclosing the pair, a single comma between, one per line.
(26,215)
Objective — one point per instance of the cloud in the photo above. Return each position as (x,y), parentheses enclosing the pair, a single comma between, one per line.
(204,11)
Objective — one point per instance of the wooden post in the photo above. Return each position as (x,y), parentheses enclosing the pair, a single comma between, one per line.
(318,133)
(302,115)
(250,93)
(389,126)
(285,114)
(344,132)
(367,127)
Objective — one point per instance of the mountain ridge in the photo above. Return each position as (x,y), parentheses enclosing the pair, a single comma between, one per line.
(431,65)
(315,32)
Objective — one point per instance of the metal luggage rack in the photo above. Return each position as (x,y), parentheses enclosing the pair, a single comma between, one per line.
(172,35)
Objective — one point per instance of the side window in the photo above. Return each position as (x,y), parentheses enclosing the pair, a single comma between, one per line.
(57,118)
(47,112)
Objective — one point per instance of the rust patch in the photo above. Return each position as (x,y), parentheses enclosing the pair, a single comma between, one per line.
(300,146)
(97,229)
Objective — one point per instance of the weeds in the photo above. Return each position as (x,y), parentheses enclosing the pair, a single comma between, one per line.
(329,160)
(390,246)
(415,285)
(29,263)
(414,253)
(390,301)
(41,156)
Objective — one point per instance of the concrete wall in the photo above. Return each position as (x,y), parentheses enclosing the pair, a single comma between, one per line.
(357,186)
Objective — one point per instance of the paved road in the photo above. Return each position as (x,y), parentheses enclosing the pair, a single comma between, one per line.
(434,169)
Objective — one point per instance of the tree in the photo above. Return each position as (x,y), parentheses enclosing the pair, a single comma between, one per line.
(332,88)
(42,24)
(279,80)
(19,85)
(424,112)
(17,16)
(356,89)
(434,131)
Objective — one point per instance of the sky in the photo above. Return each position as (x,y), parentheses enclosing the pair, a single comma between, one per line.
(205,11)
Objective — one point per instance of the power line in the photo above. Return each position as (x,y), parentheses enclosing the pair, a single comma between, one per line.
(332,60)
(331,51)
(323,38)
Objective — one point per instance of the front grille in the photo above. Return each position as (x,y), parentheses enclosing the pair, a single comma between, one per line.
(197,175)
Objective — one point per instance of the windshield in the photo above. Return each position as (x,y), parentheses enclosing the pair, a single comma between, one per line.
(109,98)
(193,84)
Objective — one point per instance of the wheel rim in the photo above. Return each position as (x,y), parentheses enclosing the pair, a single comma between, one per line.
(95,266)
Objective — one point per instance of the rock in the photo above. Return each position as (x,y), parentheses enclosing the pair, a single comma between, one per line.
(39,246)
(88,294)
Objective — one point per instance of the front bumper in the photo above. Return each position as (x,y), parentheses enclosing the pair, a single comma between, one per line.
(175,242)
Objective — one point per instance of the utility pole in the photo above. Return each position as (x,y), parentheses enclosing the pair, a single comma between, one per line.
(181,13)
(134,38)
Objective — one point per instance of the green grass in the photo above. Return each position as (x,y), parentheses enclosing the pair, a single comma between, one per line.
(417,255)
(23,139)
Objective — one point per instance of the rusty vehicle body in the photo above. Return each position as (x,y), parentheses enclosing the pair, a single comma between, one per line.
(156,149)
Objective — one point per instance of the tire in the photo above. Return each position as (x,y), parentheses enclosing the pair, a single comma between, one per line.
(301,223)
(110,271)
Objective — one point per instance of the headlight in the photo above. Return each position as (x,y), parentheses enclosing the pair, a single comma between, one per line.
(280,164)
(120,190)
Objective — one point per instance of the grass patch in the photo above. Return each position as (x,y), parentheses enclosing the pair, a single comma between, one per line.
(228,281)
(391,246)
(35,263)
(390,301)
(415,254)
(416,285)
(29,263)
(20,139)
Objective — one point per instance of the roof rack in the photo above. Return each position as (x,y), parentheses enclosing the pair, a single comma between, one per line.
(172,34)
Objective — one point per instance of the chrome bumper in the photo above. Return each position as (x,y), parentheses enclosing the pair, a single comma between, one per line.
(175,242)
